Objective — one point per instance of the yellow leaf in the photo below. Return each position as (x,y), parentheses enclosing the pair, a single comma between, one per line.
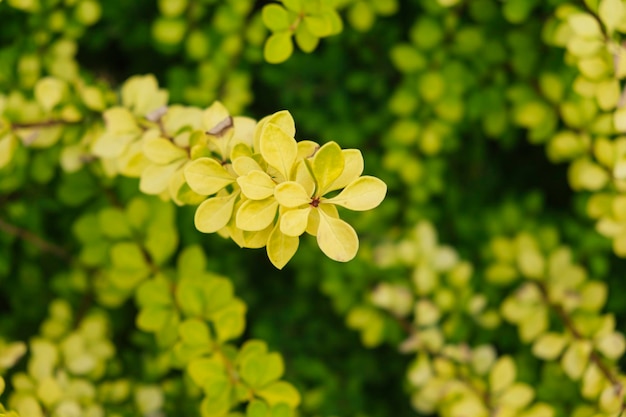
(49,92)
(256,240)
(216,119)
(327,166)
(364,193)
(619,119)
(280,392)
(180,191)
(278,149)
(612,399)
(336,238)
(303,177)
(8,144)
(206,176)
(314,217)
(611,13)
(155,178)
(517,396)
(255,215)
(245,164)
(294,222)
(214,213)
(503,374)
(281,248)
(256,185)
(585,25)
(119,120)
(549,346)
(307,149)
(575,359)
(352,169)
(142,94)
(291,194)
(162,151)
(611,345)
(592,382)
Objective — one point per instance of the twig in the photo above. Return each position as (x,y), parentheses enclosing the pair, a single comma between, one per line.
(35,240)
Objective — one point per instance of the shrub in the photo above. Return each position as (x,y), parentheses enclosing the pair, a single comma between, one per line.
(442,234)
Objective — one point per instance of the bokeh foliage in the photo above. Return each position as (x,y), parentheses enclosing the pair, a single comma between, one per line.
(487,283)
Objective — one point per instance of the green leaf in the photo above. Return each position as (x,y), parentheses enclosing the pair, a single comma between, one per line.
(190,298)
(278,47)
(280,392)
(214,213)
(191,261)
(328,164)
(257,408)
(293,5)
(217,293)
(194,332)
(278,149)
(261,369)
(336,238)
(256,185)
(281,248)
(306,41)
(113,223)
(250,348)
(206,176)
(230,322)
(281,410)
(319,25)
(204,371)
(128,256)
(153,319)
(255,215)
(275,17)
(154,292)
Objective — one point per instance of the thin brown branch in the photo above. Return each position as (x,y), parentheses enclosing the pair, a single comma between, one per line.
(35,240)
(45,123)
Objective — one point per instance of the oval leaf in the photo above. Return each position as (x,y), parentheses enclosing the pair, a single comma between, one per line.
(294,222)
(278,47)
(256,185)
(255,215)
(291,194)
(214,213)
(336,238)
(206,176)
(278,148)
(328,165)
(281,248)
(365,193)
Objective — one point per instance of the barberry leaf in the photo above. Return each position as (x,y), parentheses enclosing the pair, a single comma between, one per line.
(281,248)
(327,166)
(278,47)
(207,176)
(278,149)
(214,213)
(364,193)
(255,215)
(291,194)
(294,222)
(336,238)
(256,185)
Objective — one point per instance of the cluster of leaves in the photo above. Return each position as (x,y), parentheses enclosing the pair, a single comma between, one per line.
(138,313)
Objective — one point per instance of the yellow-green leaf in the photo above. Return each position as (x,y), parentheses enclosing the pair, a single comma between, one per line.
(275,17)
(576,358)
(305,39)
(49,92)
(517,396)
(156,178)
(206,176)
(611,13)
(278,47)
(364,193)
(291,194)
(281,248)
(214,213)
(162,151)
(256,185)
(353,167)
(280,392)
(336,238)
(255,215)
(294,222)
(549,346)
(502,374)
(8,144)
(327,165)
(245,164)
(278,149)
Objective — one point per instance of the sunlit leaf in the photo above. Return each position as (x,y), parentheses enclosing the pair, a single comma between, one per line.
(336,238)
(214,213)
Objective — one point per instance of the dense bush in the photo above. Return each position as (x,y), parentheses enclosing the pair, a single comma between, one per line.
(167,247)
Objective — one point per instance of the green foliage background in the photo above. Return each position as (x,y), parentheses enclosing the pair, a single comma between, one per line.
(488,282)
